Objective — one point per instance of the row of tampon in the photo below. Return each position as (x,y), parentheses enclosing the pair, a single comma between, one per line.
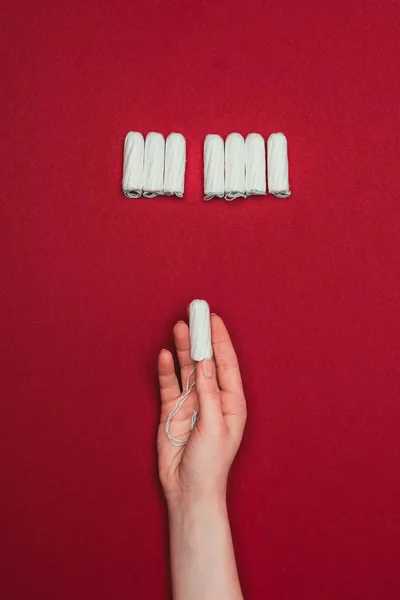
(233,169)
(237,169)
(154,167)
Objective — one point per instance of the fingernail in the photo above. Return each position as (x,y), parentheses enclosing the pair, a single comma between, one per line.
(208,368)
(213,314)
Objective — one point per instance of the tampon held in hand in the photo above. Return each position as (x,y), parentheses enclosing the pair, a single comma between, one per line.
(200,348)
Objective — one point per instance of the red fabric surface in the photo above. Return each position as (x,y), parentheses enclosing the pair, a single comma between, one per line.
(92,284)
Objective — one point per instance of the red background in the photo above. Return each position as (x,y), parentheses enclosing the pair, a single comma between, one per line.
(92,284)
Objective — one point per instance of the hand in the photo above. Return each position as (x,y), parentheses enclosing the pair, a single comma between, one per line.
(200,468)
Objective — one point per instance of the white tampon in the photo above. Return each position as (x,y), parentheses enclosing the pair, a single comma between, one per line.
(175,162)
(200,330)
(278,167)
(235,180)
(213,167)
(255,165)
(154,150)
(132,182)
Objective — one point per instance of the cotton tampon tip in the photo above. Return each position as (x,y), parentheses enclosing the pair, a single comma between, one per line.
(200,330)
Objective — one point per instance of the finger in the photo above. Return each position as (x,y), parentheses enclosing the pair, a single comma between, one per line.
(232,395)
(169,385)
(170,391)
(182,343)
(208,392)
(228,371)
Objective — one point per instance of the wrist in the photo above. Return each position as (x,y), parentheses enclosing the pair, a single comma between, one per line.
(184,504)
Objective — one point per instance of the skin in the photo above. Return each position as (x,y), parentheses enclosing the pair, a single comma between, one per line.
(194,476)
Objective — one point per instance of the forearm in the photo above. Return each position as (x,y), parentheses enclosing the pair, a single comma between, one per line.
(202,557)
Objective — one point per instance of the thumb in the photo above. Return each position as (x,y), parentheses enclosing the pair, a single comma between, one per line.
(208,392)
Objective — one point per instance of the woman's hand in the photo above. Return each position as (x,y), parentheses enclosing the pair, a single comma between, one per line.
(200,468)
(194,475)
